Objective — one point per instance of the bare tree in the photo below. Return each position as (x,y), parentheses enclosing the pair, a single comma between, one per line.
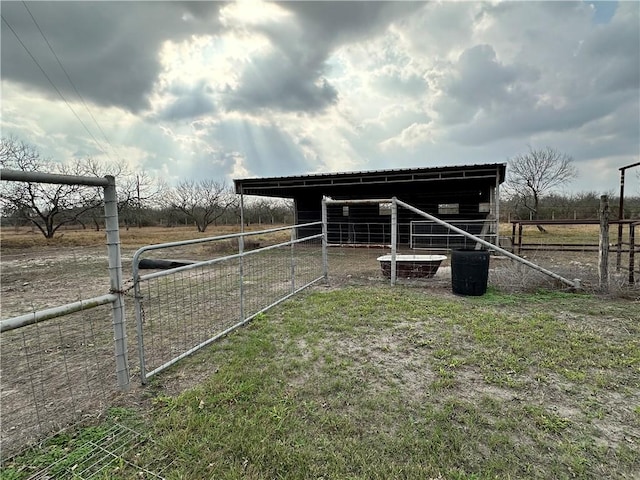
(48,207)
(535,174)
(267,210)
(202,201)
(136,191)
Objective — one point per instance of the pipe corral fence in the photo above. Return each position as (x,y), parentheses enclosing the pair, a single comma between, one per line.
(626,246)
(59,355)
(456,233)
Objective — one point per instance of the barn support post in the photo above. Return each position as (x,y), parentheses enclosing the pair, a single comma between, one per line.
(603,249)
(394,238)
(621,213)
(116,284)
(496,202)
(325,240)
(241,210)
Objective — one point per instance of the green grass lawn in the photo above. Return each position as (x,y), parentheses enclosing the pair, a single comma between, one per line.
(392,383)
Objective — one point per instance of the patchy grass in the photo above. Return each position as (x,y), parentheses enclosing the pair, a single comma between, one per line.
(380,382)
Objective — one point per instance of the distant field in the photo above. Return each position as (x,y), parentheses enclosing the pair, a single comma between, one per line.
(565,234)
(24,237)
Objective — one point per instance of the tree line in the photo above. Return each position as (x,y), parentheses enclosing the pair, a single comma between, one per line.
(578,206)
(143,200)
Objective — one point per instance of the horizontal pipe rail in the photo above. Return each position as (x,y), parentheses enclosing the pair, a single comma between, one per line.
(207,263)
(194,241)
(158,246)
(568,222)
(40,177)
(331,201)
(54,312)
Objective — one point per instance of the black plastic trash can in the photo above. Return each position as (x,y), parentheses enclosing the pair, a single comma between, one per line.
(469,272)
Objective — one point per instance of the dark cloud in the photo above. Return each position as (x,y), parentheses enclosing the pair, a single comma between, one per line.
(291,77)
(277,82)
(109,49)
(613,51)
(480,77)
(333,23)
(524,122)
(189,102)
(581,80)
(479,81)
(621,38)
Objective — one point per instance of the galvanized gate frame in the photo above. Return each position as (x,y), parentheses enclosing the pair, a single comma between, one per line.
(116,295)
(574,284)
(243,319)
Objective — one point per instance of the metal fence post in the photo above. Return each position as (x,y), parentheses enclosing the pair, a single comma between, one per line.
(137,294)
(632,252)
(115,280)
(325,240)
(394,238)
(241,271)
(603,250)
(293,259)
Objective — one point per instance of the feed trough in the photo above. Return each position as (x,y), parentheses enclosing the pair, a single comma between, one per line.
(412,266)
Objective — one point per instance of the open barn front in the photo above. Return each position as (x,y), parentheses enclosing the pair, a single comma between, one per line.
(464,195)
(402,261)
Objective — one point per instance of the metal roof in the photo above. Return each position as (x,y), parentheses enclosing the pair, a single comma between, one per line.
(291,185)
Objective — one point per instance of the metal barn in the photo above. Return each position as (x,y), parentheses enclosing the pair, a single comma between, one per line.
(465,195)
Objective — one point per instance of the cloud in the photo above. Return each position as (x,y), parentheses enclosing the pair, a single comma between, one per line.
(478,81)
(291,75)
(221,89)
(188,103)
(395,81)
(109,49)
(327,24)
(264,146)
(277,82)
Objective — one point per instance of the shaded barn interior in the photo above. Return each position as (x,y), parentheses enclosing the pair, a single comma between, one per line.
(454,194)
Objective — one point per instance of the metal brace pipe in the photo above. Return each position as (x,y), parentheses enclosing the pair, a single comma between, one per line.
(572,283)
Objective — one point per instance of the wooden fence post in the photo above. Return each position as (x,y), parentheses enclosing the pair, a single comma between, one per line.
(603,250)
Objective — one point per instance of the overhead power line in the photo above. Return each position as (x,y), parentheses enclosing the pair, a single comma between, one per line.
(53,85)
(67,75)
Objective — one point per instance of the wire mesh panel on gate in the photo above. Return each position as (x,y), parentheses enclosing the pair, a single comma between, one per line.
(185,308)
(55,373)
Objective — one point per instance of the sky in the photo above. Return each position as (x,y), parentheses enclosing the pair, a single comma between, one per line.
(212,90)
